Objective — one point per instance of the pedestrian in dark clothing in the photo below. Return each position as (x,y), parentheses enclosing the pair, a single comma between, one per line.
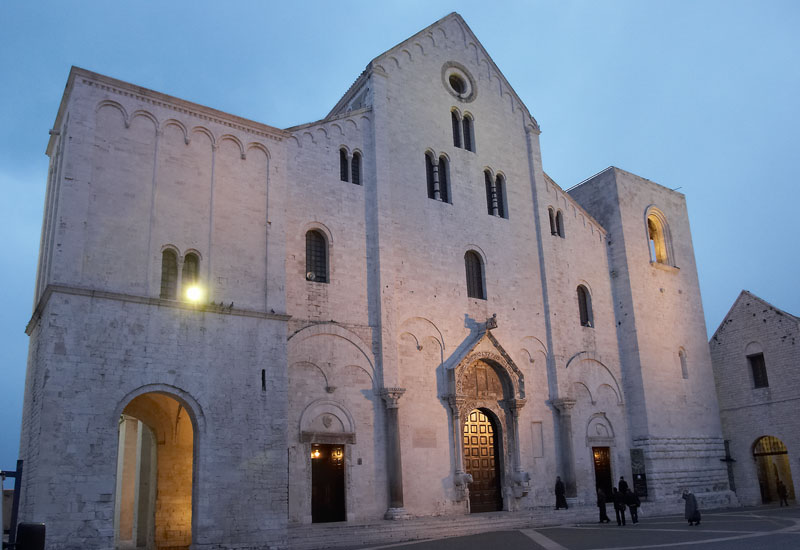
(619,505)
(601,504)
(623,485)
(633,502)
(690,510)
(783,493)
(561,499)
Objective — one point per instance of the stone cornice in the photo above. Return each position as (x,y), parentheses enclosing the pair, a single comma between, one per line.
(121,297)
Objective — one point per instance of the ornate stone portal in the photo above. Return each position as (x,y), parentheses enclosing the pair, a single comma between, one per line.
(487,379)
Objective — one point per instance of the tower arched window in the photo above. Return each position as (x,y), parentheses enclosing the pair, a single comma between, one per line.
(316,257)
(454,118)
(343,165)
(355,168)
(469,136)
(560,224)
(684,366)
(429,175)
(585,306)
(169,275)
(500,191)
(191,270)
(474,269)
(658,237)
(552,215)
(444,179)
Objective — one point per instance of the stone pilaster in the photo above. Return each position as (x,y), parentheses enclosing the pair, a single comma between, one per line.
(394,463)
(564,407)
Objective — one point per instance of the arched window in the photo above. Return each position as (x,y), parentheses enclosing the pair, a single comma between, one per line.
(355,168)
(429,175)
(191,270)
(500,192)
(456,129)
(490,195)
(560,224)
(343,170)
(444,179)
(169,275)
(585,306)
(316,257)
(659,237)
(758,367)
(474,268)
(552,215)
(684,367)
(469,137)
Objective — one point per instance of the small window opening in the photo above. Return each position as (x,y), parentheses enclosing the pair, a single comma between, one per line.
(429,175)
(355,168)
(191,270)
(343,170)
(468,141)
(560,224)
(169,275)
(759,369)
(458,84)
(585,307)
(456,129)
(500,193)
(316,257)
(684,367)
(474,269)
(552,215)
(444,179)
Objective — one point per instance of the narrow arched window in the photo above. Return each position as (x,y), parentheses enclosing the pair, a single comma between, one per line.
(585,306)
(191,270)
(429,175)
(444,179)
(560,224)
(316,257)
(355,168)
(684,367)
(491,201)
(456,129)
(343,170)
(474,269)
(552,215)
(657,237)
(500,194)
(169,275)
(468,135)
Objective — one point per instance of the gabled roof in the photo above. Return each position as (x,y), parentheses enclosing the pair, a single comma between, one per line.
(453,16)
(746,294)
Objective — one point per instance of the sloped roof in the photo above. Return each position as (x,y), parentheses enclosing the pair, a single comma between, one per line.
(746,294)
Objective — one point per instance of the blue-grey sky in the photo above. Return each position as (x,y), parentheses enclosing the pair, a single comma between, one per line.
(699,95)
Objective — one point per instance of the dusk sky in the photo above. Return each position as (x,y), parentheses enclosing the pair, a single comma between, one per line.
(699,96)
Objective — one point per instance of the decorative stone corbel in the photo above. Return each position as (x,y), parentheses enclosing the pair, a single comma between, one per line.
(522,483)
(462,481)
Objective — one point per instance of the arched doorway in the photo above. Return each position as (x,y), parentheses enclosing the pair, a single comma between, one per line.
(482,461)
(772,465)
(153,506)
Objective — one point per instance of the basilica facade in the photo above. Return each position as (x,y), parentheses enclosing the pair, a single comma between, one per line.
(392,312)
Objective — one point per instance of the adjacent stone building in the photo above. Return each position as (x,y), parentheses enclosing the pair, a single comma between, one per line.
(389,312)
(755,353)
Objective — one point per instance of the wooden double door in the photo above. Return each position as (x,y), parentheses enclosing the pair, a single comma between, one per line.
(482,462)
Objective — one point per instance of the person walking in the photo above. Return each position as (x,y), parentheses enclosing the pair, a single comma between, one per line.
(561,499)
(623,485)
(601,504)
(783,493)
(633,502)
(619,505)
(690,511)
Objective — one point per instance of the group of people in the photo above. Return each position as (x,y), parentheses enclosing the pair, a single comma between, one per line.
(622,498)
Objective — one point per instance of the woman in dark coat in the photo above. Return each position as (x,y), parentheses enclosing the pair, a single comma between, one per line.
(561,499)
(601,504)
(633,502)
(690,510)
(619,505)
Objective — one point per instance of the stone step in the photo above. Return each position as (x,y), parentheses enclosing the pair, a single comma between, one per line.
(372,533)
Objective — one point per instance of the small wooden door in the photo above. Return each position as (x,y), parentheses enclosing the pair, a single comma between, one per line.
(602,469)
(481,461)
(327,483)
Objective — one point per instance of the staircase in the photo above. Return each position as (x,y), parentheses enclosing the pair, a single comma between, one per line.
(353,535)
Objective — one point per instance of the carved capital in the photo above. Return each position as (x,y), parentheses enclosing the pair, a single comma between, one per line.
(391,396)
(515,406)
(564,405)
(456,403)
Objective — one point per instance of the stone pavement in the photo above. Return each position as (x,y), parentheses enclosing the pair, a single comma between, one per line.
(766,527)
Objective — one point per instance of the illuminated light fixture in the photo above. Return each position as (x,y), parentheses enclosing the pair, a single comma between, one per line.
(315,453)
(194,293)
(337,453)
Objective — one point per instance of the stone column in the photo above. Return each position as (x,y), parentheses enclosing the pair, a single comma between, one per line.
(564,407)
(461,479)
(437,190)
(394,463)
(514,406)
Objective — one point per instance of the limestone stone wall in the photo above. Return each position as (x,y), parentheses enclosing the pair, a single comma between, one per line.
(749,413)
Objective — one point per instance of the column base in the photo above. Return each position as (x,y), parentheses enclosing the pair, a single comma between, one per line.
(396,514)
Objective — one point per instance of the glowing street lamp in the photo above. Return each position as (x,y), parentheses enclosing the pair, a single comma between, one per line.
(194,294)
